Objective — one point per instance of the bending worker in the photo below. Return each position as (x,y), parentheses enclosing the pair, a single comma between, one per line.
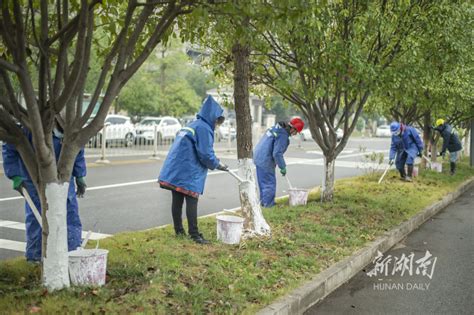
(269,153)
(185,169)
(406,145)
(15,170)
(451,142)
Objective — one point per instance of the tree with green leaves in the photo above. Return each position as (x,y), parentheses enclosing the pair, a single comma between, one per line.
(327,58)
(225,30)
(45,53)
(432,79)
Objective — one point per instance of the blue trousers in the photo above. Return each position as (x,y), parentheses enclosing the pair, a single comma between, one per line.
(267,186)
(402,159)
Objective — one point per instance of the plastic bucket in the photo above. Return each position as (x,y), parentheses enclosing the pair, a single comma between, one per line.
(436,166)
(229,228)
(88,266)
(298,196)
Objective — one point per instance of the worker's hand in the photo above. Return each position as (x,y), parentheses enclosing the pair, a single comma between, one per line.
(283,171)
(222,167)
(18,184)
(81,187)
(420,154)
(443,154)
(390,162)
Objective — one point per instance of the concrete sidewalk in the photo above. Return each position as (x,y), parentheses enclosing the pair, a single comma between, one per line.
(322,285)
(449,238)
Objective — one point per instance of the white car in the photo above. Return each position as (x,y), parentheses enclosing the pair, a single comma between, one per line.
(119,129)
(306,134)
(383,131)
(222,133)
(167,128)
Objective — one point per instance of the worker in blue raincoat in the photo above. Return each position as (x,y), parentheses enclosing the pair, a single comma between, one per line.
(184,171)
(269,153)
(15,170)
(406,146)
(451,142)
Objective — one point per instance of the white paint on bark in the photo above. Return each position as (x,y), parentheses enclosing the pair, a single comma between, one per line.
(55,263)
(254,224)
(327,190)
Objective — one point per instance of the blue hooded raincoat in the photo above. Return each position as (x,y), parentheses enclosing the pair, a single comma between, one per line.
(13,166)
(192,153)
(406,147)
(267,155)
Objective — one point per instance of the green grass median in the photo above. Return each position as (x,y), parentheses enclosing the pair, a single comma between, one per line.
(155,272)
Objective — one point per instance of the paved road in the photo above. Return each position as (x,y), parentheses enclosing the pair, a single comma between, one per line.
(449,237)
(124,196)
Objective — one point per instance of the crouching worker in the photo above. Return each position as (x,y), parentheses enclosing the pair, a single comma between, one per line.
(451,142)
(184,171)
(269,153)
(15,170)
(406,145)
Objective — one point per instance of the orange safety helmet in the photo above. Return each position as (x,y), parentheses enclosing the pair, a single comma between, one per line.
(297,123)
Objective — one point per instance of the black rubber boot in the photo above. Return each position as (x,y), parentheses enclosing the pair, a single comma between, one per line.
(180,232)
(410,173)
(199,239)
(453,168)
(403,175)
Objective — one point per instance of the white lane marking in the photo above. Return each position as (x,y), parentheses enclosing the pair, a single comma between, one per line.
(116,185)
(12,225)
(12,245)
(291,161)
(95,236)
(122,184)
(21,226)
(10,198)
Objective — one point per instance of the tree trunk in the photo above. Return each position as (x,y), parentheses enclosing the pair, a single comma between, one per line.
(327,192)
(254,223)
(426,135)
(55,262)
(467,140)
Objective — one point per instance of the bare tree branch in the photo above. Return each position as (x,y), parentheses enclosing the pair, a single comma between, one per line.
(8,66)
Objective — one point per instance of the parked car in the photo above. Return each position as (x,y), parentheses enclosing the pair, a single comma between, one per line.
(383,131)
(306,134)
(185,120)
(222,132)
(119,129)
(167,128)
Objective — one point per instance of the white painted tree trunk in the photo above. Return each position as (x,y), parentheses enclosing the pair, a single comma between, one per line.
(55,262)
(254,224)
(467,142)
(327,190)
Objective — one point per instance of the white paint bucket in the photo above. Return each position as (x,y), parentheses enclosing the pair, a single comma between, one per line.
(436,166)
(88,266)
(298,196)
(229,228)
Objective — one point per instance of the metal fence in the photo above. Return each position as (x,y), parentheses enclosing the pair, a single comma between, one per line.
(119,142)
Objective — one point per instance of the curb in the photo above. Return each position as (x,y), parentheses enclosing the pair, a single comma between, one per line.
(302,298)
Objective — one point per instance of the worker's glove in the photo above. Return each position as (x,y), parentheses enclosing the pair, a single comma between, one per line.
(442,154)
(222,167)
(390,162)
(18,184)
(420,154)
(283,171)
(81,187)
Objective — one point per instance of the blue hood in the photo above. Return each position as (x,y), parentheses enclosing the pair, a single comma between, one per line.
(210,111)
